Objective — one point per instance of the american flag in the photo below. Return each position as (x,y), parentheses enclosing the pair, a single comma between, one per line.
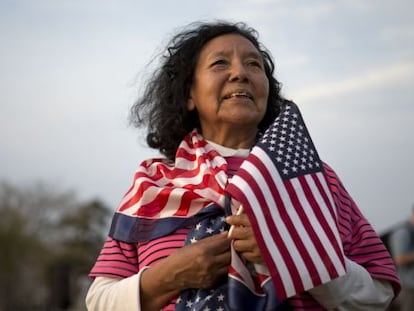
(283,190)
(243,291)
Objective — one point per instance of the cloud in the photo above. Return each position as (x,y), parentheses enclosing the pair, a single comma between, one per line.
(375,78)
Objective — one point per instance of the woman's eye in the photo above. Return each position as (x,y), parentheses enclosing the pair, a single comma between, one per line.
(254,63)
(219,62)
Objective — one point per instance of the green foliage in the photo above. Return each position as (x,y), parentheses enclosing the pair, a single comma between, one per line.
(49,241)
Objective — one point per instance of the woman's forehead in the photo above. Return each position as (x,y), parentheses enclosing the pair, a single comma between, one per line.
(227,44)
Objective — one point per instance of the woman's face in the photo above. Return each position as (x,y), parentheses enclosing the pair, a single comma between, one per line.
(230,90)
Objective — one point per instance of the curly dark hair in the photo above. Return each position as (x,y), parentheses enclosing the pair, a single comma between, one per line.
(163,105)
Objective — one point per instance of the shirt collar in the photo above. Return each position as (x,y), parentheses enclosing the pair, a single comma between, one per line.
(229,152)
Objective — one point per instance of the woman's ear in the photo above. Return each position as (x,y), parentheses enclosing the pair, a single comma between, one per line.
(190,103)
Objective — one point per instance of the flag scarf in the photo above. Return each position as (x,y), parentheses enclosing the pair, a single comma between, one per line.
(283,190)
(165,197)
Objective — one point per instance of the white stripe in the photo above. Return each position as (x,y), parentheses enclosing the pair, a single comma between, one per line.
(303,233)
(240,267)
(314,222)
(271,246)
(151,193)
(322,180)
(331,223)
(137,183)
(186,164)
(279,224)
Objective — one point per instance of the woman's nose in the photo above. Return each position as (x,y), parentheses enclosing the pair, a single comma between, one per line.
(238,72)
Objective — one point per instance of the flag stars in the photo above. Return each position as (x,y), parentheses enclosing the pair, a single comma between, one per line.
(287,142)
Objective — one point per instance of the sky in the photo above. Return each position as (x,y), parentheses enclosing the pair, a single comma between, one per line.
(71,69)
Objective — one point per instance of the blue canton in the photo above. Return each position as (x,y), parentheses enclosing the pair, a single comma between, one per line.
(288,144)
(200,299)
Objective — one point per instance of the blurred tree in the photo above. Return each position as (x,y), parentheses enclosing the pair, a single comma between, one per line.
(48,243)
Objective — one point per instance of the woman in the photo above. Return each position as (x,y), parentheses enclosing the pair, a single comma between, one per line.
(212,97)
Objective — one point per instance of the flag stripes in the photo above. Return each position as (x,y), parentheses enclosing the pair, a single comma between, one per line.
(293,216)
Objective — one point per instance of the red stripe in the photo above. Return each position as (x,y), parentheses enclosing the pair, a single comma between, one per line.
(154,207)
(267,257)
(185,203)
(290,225)
(279,241)
(321,217)
(308,225)
(325,195)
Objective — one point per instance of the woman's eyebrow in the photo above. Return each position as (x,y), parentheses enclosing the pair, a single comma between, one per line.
(253,54)
(217,54)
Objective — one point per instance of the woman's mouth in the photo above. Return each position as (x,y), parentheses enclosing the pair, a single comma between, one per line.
(238,94)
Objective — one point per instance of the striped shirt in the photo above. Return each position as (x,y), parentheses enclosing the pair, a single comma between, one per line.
(120,260)
(360,242)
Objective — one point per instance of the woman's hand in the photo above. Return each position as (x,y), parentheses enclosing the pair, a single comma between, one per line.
(244,240)
(203,264)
